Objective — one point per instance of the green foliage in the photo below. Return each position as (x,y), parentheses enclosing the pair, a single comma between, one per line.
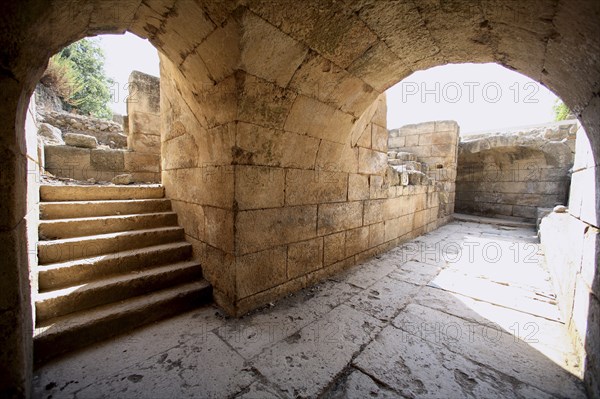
(91,87)
(561,112)
(62,78)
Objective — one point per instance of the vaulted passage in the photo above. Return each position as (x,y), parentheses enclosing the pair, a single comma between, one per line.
(273,132)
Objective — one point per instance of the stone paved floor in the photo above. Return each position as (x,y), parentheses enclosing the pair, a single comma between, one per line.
(465,311)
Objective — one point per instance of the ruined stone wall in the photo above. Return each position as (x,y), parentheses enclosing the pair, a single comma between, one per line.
(516,172)
(280,210)
(571,242)
(143,114)
(436,145)
(104,152)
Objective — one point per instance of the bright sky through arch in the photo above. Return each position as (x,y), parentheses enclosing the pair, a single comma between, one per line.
(480,97)
(126,53)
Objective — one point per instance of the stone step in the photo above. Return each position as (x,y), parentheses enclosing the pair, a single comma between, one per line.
(99,192)
(408,165)
(406,156)
(81,209)
(61,302)
(84,247)
(76,330)
(76,272)
(81,227)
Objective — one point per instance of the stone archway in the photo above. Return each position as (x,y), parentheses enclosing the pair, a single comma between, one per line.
(269,88)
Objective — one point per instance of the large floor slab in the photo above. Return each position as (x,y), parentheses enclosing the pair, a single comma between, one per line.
(465,311)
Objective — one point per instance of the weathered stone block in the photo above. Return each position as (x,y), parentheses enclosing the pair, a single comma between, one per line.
(209,185)
(378,188)
(590,259)
(391,229)
(529,212)
(338,217)
(259,187)
(380,115)
(396,142)
(262,146)
(316,119)
(304,257)
(374,211)
(144,123)
(67,161)
(334,248)
(219,268)
(315,187)
(219,63)
(261,229)
(357,240)
(358,187)
(50,134)
(396,207)
(260,42)
(365,138)
(371,162)
(337,157)
(218,103)
(141,142)
(420,219)
(376,234)
(141,162)
(379,67)
(218,227)
(191,218)
(264,103)
(342,45)
(379,138)
(411,141)
(80,140)
(260,271)
(177,30)
(443,150)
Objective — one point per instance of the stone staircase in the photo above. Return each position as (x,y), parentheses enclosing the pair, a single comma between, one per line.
(111,258)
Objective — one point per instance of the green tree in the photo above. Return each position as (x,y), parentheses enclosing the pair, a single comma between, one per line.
(92,94)
(561,111)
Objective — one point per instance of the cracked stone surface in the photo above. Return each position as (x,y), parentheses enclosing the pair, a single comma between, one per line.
(400,326)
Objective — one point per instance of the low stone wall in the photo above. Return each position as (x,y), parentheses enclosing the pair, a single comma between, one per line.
(434,144)
(104,151)
(100,164)
(571,242)
(513,173)
(107,132)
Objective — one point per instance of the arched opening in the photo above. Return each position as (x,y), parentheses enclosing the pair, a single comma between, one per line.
(514,160)
(369,47)
(503,172)
(98,120)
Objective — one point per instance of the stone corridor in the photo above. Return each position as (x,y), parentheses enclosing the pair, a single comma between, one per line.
(464,311)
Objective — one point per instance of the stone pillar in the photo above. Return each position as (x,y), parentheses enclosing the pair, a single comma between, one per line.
(143,114)
(17,155)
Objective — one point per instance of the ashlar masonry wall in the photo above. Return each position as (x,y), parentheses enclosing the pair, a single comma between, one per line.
(513,173)
(571,242)
(435,144)
(270,210)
